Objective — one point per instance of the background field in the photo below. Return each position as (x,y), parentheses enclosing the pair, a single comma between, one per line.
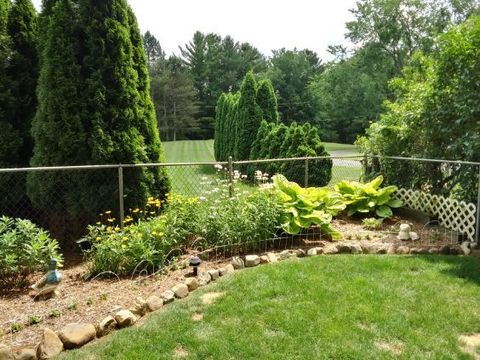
(187,179)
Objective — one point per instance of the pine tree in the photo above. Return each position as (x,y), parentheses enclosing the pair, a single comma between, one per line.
(262,133)
(249,117)
(219,125)
(267,101)
(6,98)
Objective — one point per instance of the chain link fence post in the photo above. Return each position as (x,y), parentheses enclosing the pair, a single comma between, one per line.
(306,172)
(477,226)
(121,205)
(230,176)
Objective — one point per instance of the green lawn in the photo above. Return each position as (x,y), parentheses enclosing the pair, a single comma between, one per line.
(202,150)
(186,179)
(335,307)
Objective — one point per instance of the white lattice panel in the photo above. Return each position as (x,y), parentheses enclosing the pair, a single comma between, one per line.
(452,214)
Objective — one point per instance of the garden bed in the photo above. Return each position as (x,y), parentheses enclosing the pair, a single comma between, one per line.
(89,301)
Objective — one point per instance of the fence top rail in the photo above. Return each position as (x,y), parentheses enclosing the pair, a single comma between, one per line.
(225,163)
(443,161)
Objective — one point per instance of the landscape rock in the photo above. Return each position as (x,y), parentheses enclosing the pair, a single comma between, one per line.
(445,250)
(204,278)
(192,284)
(106,326)
(330,249)
(402,250)
(465,247)
(264,259)
(77,334)
(180,291)
(5,353)
(356,249)
(167,296)
(252,260)
(214,274)
(272,257)
(312,252)
(300,253)
(139,308)
(414,236)
(26,354)
(154,303)
(344,248)
(125,318)
(285,254)
(374,248)
(237,263)
(433,251)
(228,269)
(50,345)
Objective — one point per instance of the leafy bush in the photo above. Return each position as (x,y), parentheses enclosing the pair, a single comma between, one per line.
(368,198)
(24,249)
(248,216)
(144,245)
(304,207)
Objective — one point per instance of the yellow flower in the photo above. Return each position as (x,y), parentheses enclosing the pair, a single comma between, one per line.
(98,238)
(109,228)
(108,212)
(111,220)
(136,210)
(124,238)
(99,223)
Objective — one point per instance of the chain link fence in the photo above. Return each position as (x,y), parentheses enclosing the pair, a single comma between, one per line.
(65,200)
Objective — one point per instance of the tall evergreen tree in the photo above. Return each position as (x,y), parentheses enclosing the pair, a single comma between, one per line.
(6,98)
(267,101)
(249,117)
(94,52)
(219,126)
(152,48)
(23,70)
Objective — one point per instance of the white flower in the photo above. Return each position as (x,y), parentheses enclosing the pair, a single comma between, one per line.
(218,166)
(203,198)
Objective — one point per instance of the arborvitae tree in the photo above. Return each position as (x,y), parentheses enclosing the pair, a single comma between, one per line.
(94,53)
(249,117)
(219,126)
(6,98)
(262,133)
(23,70)
(267,101)
(43,24)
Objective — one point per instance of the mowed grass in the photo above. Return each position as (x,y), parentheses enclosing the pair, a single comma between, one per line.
(187,179)
(325,307)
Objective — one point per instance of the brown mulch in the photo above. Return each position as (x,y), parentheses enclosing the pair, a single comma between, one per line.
(79,301)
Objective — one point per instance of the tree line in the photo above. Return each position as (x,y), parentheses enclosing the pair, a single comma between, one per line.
(340,97)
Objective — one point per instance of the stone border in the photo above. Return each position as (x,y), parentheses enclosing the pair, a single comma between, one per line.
(76,335)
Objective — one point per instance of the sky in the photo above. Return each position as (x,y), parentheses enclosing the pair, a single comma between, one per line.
(266,24)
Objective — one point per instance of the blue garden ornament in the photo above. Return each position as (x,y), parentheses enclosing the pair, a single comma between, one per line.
(47,285)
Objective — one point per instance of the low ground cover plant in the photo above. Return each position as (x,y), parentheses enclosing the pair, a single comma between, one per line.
(24,248)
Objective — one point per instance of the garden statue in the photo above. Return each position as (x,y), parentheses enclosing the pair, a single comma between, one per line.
(47,285)
(406,233)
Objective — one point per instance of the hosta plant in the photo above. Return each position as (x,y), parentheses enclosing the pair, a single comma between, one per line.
(304,207)
(368,198)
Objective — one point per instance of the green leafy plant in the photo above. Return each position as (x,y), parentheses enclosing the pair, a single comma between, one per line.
(55,313)
(372,223)
(24,249)
(73,306)
(16,327)
(141,245)
(32,320)
(304,207)
(367,198)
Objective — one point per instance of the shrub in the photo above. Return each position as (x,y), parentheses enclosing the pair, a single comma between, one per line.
(24,249)
(144,245)
(247,217)
(368,198)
